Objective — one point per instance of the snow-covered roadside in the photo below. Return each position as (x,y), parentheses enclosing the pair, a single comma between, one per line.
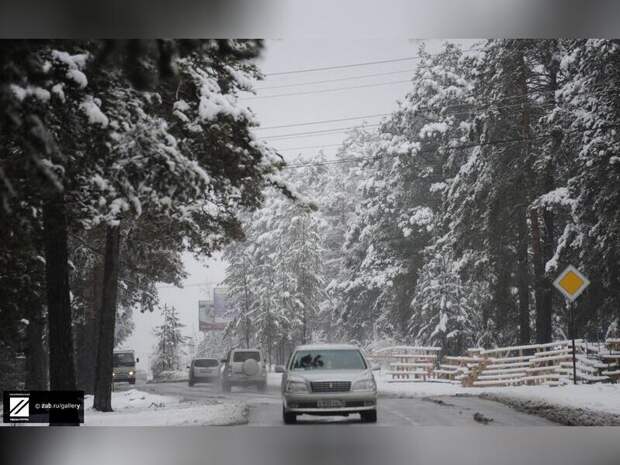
(585,405)
(581,405)
(421,389)
(171,376)
(138,408)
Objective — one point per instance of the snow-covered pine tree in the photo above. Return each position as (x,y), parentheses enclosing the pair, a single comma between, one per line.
(590,235)
(402,192)
(274,278)
(214,344)
(444,307)
(169,344)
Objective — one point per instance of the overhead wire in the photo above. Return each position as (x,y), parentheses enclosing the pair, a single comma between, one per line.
(311,123)
(325,81)
(323,91)
(470,110)
(319,132)
(366,63)
(339,130)
(453,147)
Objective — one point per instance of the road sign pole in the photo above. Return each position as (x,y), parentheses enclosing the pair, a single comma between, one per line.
(571,306)
(571,283)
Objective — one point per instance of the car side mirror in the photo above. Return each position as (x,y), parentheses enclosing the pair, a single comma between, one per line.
(279,369)
(375,367)
(137,360)
(187,366)
(223,360)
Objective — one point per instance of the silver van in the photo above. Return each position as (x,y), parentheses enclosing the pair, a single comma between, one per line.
(204,370)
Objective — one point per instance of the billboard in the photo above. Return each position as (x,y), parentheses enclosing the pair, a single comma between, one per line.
(212,312)
(220,302)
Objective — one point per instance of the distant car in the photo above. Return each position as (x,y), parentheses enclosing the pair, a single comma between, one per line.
(204,370)
(124,366)
(244,367)
(328,379)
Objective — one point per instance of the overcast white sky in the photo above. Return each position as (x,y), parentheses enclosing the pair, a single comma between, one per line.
(299,54)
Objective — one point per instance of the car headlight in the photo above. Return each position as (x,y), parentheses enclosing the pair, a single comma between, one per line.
(296,386)
(364,385)
(131,373)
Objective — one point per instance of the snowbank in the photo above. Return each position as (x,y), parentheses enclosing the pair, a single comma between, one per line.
(171,376)
(422,389)
(138,408)
(602,397)
(585,404)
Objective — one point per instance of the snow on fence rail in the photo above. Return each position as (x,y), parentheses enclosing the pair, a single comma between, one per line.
(549,363)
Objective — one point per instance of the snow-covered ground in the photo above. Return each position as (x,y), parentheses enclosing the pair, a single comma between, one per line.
(421,389)
(584,404)
(139,408)
(172,376)
(599,397)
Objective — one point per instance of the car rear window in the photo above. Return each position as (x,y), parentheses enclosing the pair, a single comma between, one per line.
(244,355)
(328,360)
(205,363)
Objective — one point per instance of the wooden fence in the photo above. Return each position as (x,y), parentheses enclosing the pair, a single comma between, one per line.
(549,363)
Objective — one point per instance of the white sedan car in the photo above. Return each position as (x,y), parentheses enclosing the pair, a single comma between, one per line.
(328,379)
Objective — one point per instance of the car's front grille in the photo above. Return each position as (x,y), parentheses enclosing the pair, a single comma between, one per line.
(330,386)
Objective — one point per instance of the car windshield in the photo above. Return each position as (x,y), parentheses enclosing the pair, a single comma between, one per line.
(242,356)
(209,362)
(123,360)
(328,360)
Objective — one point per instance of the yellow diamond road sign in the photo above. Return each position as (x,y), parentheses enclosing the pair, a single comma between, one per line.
(571,283)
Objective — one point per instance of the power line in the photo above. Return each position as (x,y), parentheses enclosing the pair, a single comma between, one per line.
(325,81)
(338,130)
(323,121)
(453,147)
(323,91)
(471,108)
(310,147)
(366,63)
(320,132)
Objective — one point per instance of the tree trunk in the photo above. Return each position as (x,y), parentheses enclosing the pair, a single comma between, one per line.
(86,356)
(523,280)
(522,232)
(107,318)
(544,331)
(61,362)
(36,367)
(539,277)
(546,316)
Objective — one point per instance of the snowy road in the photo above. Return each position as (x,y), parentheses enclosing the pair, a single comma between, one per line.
(265,408)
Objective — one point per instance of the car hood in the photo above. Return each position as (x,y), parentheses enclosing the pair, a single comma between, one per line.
(330,375)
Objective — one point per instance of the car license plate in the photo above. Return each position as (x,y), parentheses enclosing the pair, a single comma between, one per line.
(330,403)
